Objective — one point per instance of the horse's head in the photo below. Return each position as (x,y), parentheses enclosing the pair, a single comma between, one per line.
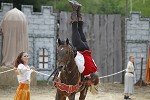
(64,54)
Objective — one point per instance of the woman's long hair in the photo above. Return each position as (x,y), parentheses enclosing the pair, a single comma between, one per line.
(18,60)
(95,79)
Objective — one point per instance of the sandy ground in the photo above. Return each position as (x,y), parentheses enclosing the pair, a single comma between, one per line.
(106,92)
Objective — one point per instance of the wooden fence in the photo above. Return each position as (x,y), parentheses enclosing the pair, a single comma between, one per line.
(104,36)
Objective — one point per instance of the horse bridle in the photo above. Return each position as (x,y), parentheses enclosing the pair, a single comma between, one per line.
(56,71)
(68,60)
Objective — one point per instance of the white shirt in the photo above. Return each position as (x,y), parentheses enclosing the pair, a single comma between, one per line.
(24,73)
(130,68)
(79,59)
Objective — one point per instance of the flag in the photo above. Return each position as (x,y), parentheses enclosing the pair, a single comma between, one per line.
(147,77)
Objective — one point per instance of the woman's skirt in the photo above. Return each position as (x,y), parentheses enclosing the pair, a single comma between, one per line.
(23,92)
(129,84)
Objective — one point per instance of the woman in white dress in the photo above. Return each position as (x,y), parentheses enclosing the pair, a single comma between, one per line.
(23,74)
(129,78)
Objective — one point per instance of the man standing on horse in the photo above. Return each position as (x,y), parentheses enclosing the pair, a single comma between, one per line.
(83,57)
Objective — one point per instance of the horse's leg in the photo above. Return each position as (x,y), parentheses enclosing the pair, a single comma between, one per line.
(57,96)
(83,93)
(60,96)
(72,96)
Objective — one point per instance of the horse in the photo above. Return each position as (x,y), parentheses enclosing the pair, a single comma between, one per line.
(68,82)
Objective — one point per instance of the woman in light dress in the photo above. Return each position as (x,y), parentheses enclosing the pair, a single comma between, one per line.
(129,78)
(23,74)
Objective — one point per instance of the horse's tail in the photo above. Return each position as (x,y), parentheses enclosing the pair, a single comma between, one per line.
(94,89)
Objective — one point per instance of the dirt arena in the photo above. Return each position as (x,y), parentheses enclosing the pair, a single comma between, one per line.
(106,92)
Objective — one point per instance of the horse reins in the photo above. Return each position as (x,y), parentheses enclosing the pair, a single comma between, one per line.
(63,86)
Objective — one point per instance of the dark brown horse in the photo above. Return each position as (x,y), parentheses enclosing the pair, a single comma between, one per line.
(69,81)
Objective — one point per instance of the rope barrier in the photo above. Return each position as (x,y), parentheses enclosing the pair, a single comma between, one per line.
(14,69)
(112,74)
(48,75)
(6,71)
(41,73)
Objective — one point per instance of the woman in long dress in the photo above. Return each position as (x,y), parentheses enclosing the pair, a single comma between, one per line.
(129,78)
(23,74)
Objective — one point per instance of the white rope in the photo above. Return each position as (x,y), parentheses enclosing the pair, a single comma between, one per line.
(41,73)
(99,77)
(6,71)
(14,69)
(48,75)
(112,74)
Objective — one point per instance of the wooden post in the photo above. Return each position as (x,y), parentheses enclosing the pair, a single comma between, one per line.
(140,82)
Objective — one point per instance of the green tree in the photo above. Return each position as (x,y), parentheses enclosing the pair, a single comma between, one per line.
(89,6)
(110,7)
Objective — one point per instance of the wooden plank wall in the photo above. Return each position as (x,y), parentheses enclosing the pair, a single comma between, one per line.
(103,33)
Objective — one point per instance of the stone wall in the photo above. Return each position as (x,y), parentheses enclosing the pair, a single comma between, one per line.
(136,40)
(42,34)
